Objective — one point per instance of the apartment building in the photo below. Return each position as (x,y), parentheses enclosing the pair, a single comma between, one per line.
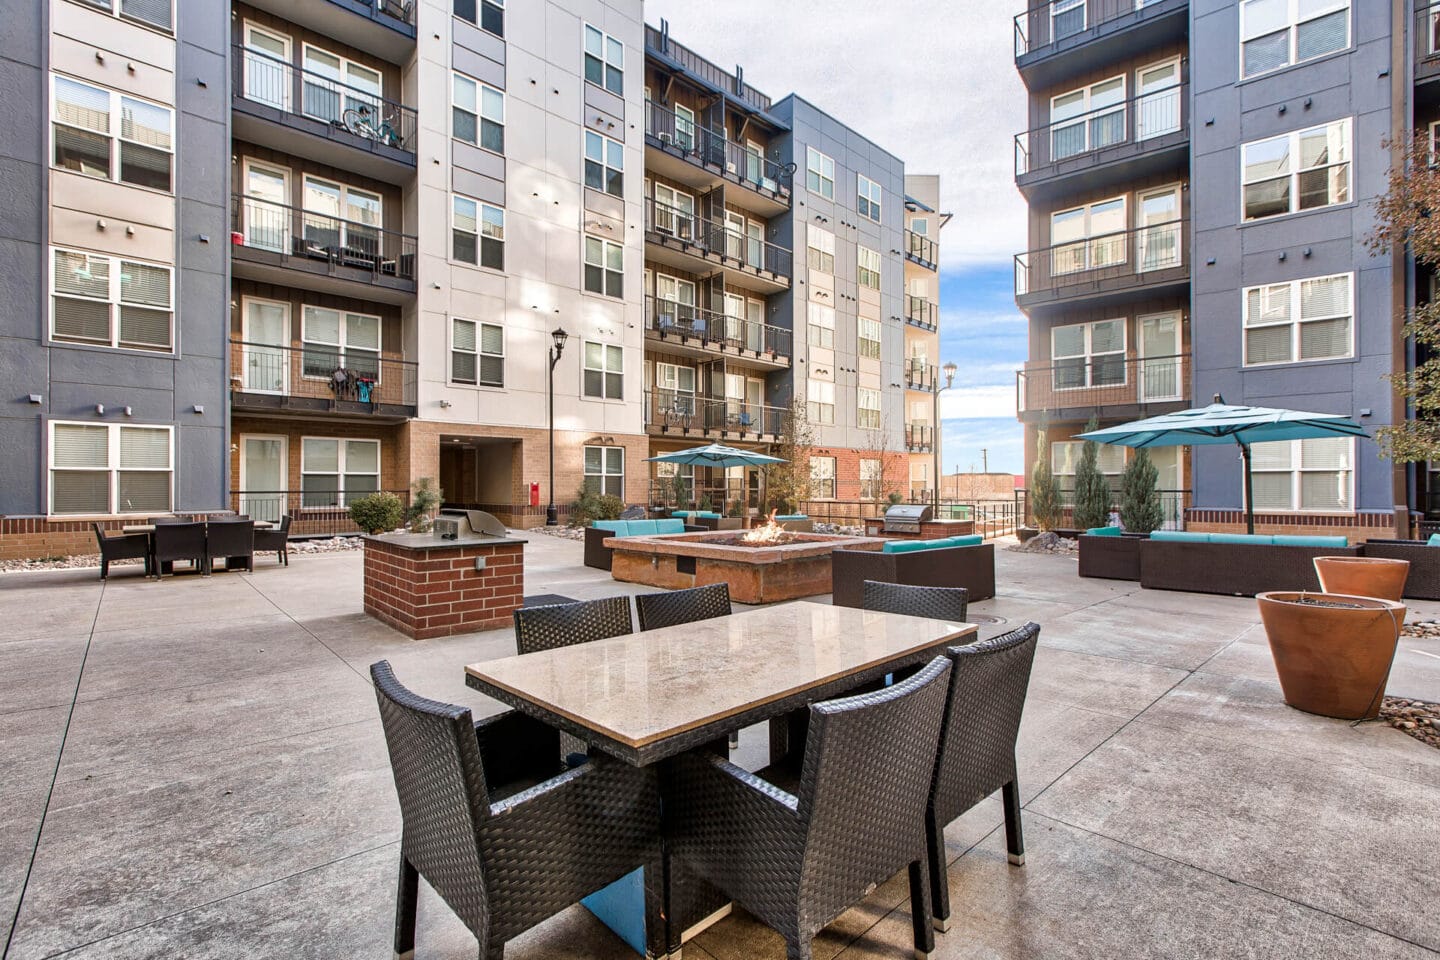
(1200,178)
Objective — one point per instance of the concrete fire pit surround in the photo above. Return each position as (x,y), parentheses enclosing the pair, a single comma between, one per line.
(764,574)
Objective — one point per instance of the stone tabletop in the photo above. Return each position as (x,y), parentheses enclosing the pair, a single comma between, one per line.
(646,687)
(428,541)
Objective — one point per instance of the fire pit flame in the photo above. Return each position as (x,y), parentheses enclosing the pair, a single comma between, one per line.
(769,532)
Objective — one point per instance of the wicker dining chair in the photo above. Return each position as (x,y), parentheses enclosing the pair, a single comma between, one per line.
(977,747)
(179,541)
(797,860)
(503,833)
(276,539)
(563,624)
(231,540)
(674,607)
(937,603)
(129,546)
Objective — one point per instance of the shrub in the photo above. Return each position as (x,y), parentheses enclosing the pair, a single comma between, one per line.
(590,506)
(1044,493)
(377,512)
(737,509)
(425,497)
(706,504)
(1092,490)
(895,497)
(1140,509)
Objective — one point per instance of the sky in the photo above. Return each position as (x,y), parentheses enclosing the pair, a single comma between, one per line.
(933,82)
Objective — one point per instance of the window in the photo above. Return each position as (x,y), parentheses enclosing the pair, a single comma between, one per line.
(869,197)
(821,325)
(868,409)
(332,84)
(478,233)
(604,164)
(604,267)
(822,478)
(110,468)
(339,340)
(1067,18)
(1297,171)
(157,13)
(488,15)
(604,371)
(869,338)
(872,477)
(1277,33)
(821,246)
(819,173)
(105,134)
(1065,458)
(1303,474)
(479,113)
(477,353)
(604,61)
(1299,320)
(920,226)
(820,401)
(674,212)
(1087,119)
(110,301)
(676,387)
(340,217)
(869,273)
(333,472)
(1088,354)
(1089,237)
(605,471)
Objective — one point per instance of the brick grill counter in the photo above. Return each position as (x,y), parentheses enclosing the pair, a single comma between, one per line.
(427,587)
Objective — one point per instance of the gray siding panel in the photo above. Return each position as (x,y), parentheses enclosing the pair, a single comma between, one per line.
(606,102)
(481,68)
(471,39)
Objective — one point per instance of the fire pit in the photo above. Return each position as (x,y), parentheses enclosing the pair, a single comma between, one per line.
(764,565)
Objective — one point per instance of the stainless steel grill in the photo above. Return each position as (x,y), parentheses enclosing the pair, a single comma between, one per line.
(453,524)
(907,517)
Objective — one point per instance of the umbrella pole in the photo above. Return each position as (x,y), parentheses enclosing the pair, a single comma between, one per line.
(1249,490)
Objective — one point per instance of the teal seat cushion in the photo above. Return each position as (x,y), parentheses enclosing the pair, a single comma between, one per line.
(665,526)
(640,528)
(1434,540)
(1251,538)
(968,540)
(1283,541)
(914,546)
(1103,532)
(791,516)
(617,527)
(706,515)
(1183,536)
(681,513)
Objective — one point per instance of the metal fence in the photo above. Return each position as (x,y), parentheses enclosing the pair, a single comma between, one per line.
(312,513)
(688,137)
(1173,504)
(1122,258)
(714,237)
(293,231)
(1102,381)
(322,372)
(671,317)
(683,413)
(921,249)
(1134,121)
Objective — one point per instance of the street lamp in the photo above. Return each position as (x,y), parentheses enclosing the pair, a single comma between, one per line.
(949,369)
(559,336)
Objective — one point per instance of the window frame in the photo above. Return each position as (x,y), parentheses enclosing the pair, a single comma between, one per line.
(348,89)
(1295,321)
(603,58)
(1089,356)
(343,348)
(115,8)
(478,113)
(605,472)
(482,7)
(480,235)
(341,455)
(112,467)
(878,329)
(607,350)
(825,250)
(479,353)
(607,172)
(1293,174)
(1088,114)
(114,301)
(825,342)
(113,137)
(813,159)
(868,201)
(822,410)
(820,478)
(862,420)
(871,487)
(1297,471)
(1291,31)
(607,273)
(1066,466)
(865,274)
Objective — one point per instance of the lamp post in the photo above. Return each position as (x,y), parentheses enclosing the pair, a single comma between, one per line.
(949,369)
(559,336)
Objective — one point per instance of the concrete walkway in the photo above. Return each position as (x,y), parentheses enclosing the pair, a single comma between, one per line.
(202,764)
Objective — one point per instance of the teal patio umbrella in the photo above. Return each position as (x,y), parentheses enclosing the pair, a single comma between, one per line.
(1226,423)
(717,455)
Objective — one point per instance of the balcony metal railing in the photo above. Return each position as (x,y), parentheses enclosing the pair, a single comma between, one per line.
(1046,23)
(717,77)
(322,372)
(1173,503)
(1427,40)
(402,10)
(922,250)
(672,318)
(722,492)
(920,375)
(312,513)
(922,313)
(1124,258)
(293,232)
(1133,121)
(1115,380)
(919,438)
(711,149)
(266,80)
(680,412)
(710,237)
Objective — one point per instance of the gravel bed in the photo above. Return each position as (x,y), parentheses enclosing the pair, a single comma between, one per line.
(1051,543)
(1419,719)
(840,529)
(562,532)
(82,561)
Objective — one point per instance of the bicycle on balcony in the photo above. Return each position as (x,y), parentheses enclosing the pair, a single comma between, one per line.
(372,125)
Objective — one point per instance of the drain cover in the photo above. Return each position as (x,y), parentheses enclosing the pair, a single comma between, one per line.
(984,618)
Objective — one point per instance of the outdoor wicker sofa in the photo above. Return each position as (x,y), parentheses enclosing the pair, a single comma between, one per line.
(970,564)
(1424,580)
(1110,556)
(1234,564)
(597,555)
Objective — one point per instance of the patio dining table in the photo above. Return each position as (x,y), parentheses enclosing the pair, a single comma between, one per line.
(649,696)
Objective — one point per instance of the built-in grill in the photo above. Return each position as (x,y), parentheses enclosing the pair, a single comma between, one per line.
(455,524)
(907,517)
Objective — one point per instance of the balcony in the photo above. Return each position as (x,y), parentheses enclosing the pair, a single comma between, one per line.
(274,243)
(922,313)
(920,375)
(1125,265)
(677,414)
(1427,43)
(696,68)
(922,250)
(1119,388)
(315,379)
(1055,39)
(919,438)
(697,245)
(683,150)
(705,334)
(299,112)
(1127,141)
(385,28)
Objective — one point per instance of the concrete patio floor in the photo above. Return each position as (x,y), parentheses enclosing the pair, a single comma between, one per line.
(207,760)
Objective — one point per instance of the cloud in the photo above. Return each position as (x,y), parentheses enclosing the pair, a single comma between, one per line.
(931,81)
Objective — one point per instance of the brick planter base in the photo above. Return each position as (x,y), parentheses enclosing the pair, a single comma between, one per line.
(425,587)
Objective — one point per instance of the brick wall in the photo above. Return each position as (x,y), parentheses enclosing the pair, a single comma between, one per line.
(438,592)
(895,472)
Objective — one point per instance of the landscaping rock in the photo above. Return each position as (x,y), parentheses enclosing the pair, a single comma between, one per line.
(1048,542)
(1416,718)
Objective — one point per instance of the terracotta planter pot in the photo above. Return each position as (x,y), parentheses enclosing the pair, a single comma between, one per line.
(1332,660)
(1363,576)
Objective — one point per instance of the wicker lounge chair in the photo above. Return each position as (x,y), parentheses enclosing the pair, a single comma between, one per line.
(129,546)
(277,539)
(562,624)
(937,603)
(1110,557)
(657,610)
(1423,583)
(503,833)
(797,858)
(970,567)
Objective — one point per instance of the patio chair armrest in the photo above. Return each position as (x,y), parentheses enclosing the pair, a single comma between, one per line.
(714,794)
(514,747)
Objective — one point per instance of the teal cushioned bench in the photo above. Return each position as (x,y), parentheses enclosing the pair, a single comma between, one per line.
(1434,540)
(1103,532)
(1242,538)
(791,516)
(967,540)
(1180,535)
(1282,541)
(666,526)
(912,546)
(617,527)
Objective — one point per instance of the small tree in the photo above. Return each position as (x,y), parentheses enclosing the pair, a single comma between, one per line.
(788,484)
(1092,490)
(425,497)
(1044,490)
(1140,510)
